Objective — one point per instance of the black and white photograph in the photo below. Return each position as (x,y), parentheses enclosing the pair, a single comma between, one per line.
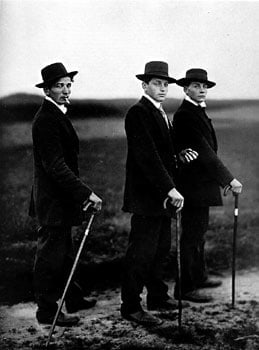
(129,204)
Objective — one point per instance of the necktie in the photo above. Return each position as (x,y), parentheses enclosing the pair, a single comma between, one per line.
(164,115)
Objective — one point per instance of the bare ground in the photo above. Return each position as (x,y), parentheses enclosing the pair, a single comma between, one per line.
(204,326)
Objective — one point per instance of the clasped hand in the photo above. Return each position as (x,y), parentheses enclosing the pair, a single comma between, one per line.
(188,155)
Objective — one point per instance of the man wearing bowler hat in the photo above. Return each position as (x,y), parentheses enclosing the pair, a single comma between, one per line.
(150,171)
(199,183)
(58,197)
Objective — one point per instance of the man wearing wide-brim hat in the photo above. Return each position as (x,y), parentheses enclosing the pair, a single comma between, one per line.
(58,197)
(150,180)
(199,183)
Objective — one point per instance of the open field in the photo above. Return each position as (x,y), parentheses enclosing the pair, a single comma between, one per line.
(102,160)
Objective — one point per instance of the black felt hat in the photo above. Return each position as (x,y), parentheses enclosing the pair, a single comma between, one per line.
(54,72)
(156,69)
(195,74)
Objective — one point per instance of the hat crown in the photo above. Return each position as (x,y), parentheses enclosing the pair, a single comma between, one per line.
(156,68)
(53,70)
(197,74)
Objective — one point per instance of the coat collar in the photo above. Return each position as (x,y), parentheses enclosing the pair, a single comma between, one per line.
(155,103)
(196,109)
(202,104)
(49,105)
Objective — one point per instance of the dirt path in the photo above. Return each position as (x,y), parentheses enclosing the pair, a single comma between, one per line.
(204,326)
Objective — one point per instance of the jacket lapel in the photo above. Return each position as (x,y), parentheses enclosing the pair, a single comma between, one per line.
(64,122)
(158,117)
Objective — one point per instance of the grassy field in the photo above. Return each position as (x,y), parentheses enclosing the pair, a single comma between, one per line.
(102,162)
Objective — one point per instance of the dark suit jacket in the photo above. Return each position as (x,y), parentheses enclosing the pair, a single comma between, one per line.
(150,165)
(199,181)
(58,193)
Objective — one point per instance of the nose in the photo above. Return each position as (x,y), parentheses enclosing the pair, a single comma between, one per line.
(163,87)
(66,89)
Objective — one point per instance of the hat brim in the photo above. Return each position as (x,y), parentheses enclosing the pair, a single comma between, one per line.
(185,82)
(46,83)
(143,77)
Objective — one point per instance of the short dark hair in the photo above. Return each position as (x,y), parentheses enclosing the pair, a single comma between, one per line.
(148,78)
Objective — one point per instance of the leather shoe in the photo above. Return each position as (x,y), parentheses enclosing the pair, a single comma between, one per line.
(210,283)
(169,304)
(63,320)
(142,317)
(196,297)
(82,304)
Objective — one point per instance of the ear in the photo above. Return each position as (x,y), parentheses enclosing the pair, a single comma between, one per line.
(46,91)
(144,85)
(185,88)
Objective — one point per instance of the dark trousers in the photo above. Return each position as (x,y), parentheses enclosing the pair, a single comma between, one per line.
(53,263)
(195,221)
(149,245)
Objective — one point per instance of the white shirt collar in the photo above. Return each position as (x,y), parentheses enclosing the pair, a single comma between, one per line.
(155,103)
(63,108)
(202,104)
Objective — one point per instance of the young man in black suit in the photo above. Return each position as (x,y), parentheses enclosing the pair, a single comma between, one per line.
(150,171)
(58,197)
(199,182)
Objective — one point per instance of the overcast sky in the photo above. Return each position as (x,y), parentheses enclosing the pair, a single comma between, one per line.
(109,42)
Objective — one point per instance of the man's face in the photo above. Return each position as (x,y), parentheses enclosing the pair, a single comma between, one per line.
(60,91)
(156,88)
(197,91)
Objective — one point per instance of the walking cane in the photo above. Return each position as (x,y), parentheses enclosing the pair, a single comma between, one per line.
(71,273)
(172,211)
(234,249)
(234,244)
(179,273)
